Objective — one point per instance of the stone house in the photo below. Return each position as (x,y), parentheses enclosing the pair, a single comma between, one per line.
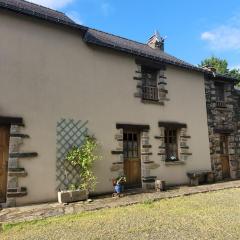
(147,109)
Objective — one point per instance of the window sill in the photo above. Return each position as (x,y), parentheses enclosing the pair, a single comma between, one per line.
(178,162)
(223,109)
(152,101)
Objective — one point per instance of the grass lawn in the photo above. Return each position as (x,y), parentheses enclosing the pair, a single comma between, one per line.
(214,215)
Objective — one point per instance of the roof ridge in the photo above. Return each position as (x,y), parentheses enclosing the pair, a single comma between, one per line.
(42,6)
(145,44)
(36,10)
(131,40)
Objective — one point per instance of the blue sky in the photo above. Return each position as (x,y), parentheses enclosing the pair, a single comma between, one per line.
(195,29)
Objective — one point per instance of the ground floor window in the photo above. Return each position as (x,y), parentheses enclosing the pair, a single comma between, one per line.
(171,144)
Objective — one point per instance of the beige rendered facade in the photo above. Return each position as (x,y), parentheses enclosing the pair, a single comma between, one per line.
(48,73)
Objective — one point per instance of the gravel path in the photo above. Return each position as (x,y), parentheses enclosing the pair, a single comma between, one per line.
(213,215)
(41,211)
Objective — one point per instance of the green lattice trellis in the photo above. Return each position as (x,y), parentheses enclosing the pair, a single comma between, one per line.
(69,133)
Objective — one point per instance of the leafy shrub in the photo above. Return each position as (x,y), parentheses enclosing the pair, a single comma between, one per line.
(84,157)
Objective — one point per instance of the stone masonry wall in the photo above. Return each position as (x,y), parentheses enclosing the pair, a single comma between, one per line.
(237,124)
(223,120)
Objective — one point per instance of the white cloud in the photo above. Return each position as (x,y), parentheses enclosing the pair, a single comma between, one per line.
(208,36)
(224,37)
(75,16)
(55,4)
(106,9)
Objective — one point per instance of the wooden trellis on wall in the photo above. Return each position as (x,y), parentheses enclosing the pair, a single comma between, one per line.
(70,133)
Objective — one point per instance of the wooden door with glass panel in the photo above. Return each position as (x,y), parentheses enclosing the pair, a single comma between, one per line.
(132,160)
(224,156)
(4,143)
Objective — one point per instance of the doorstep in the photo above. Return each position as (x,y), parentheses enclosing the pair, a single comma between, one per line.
(40,211)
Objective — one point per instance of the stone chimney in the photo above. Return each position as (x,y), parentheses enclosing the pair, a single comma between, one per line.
(210,69)
(156,41)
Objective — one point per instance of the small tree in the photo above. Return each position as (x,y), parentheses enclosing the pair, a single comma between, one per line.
(84,157)
(221,66)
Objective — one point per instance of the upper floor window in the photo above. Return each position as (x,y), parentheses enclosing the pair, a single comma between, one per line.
(149,88)
(220,96)
(219,91)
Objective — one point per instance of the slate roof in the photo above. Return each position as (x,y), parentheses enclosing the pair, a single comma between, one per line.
(103,39)
(143,50)
(220,76)
(37,11)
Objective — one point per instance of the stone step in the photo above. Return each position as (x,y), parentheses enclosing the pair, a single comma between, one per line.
(18,172)
(23,154)
(16,192)
(19,135)
(149,179)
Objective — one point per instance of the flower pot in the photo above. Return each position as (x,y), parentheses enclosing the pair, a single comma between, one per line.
(118,188)
(72,196)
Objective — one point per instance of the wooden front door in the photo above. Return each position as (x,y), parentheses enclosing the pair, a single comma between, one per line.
(132,160)
(224,156)
(4,145)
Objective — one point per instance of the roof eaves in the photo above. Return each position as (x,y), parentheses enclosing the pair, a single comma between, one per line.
(38,15)
(224,77)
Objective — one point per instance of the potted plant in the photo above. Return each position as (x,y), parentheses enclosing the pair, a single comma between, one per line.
(82,158)
(118,184)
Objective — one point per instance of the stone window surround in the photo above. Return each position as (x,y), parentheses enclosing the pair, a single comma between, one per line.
(14,171)
(147,164)
(161,81)
(220,94)
(183,148)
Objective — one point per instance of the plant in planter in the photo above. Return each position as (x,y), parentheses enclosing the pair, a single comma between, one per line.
(83,158)
(118,184)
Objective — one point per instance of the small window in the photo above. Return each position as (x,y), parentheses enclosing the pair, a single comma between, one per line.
(150,90)
(171,144)
(219,92)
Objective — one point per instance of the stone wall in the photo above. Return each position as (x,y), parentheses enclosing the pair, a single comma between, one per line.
(15,171)
(223,120)
(161,84)
(147,164)
(237,127)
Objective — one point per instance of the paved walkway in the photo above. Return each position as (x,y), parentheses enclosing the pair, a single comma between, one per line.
(40,211)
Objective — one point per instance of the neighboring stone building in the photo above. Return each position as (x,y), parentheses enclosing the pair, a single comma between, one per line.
(61,81)
(223,110)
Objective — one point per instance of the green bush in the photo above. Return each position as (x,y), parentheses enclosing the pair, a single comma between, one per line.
(84,157)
